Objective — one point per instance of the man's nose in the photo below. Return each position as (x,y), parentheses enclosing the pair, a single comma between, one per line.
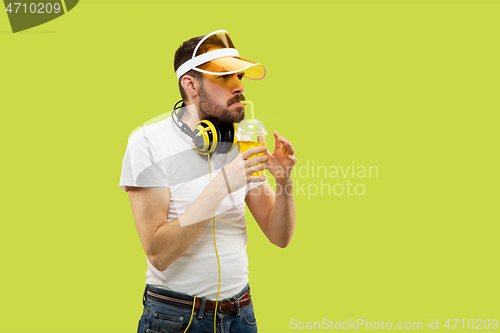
(238,88)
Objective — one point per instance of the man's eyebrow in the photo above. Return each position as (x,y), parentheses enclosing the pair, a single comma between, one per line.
(237,74)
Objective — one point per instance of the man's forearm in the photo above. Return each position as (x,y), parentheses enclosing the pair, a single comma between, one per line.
(174,238)
(281,221)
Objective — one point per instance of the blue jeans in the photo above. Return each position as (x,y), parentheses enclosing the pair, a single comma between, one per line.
(164,318)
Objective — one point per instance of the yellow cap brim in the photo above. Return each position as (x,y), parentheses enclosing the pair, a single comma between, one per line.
(231,65)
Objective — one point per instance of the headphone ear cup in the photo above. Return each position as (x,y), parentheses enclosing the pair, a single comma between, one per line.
(232,138)
(199,141)
(206,137)
(227,141)
(221,146)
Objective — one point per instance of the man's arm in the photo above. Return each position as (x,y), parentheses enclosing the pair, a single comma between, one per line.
(275,213)
(164,242)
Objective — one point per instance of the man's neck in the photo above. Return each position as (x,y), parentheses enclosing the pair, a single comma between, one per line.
(192,116)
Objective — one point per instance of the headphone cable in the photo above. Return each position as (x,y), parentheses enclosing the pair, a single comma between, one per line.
(192,311)
(218,264)
(217,254)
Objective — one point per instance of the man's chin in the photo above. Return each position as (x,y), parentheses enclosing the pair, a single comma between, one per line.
(230,116)
(240,115)
(234,114)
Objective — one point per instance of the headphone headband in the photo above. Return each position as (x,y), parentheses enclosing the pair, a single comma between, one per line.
(178,114)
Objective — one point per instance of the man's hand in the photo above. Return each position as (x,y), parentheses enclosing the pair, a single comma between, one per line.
(281,162)
(239,171)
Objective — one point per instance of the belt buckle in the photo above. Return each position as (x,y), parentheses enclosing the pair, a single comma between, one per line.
(219,307)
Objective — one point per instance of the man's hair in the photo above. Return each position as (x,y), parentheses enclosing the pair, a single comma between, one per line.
(183,54)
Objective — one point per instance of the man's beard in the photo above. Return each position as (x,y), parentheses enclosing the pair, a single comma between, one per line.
(212,111)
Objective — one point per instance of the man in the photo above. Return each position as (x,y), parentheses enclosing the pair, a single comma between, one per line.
(182,201)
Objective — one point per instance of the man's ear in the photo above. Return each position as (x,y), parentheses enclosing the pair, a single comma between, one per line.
(191,85)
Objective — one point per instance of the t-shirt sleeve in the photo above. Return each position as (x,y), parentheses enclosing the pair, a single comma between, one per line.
(252,185)
(141,167)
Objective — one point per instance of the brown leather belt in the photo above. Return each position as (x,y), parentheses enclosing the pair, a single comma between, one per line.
(223,306)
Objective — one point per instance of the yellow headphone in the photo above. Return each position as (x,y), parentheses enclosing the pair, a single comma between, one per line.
(208,138)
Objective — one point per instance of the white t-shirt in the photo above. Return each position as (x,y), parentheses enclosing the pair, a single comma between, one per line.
(160,155)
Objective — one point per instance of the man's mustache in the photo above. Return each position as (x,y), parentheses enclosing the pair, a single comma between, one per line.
(237,98)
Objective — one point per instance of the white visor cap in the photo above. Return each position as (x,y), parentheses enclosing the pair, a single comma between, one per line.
(215,54)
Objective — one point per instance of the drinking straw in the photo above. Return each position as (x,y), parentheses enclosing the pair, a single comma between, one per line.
(253,117)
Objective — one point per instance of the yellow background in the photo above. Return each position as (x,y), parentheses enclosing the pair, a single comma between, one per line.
(408,86)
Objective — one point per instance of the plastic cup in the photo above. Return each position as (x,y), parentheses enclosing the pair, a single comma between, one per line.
(251,133)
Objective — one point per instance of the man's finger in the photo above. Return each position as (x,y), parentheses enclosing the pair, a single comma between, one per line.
(257,178)
(253,151)
(290,148)
(255,160)
(278,141)
(257,168)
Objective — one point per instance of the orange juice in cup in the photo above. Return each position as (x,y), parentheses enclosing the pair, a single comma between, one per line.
(251,133)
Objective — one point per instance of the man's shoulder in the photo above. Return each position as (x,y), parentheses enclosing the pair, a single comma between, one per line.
(158,124)
(160,130)
(162,118)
